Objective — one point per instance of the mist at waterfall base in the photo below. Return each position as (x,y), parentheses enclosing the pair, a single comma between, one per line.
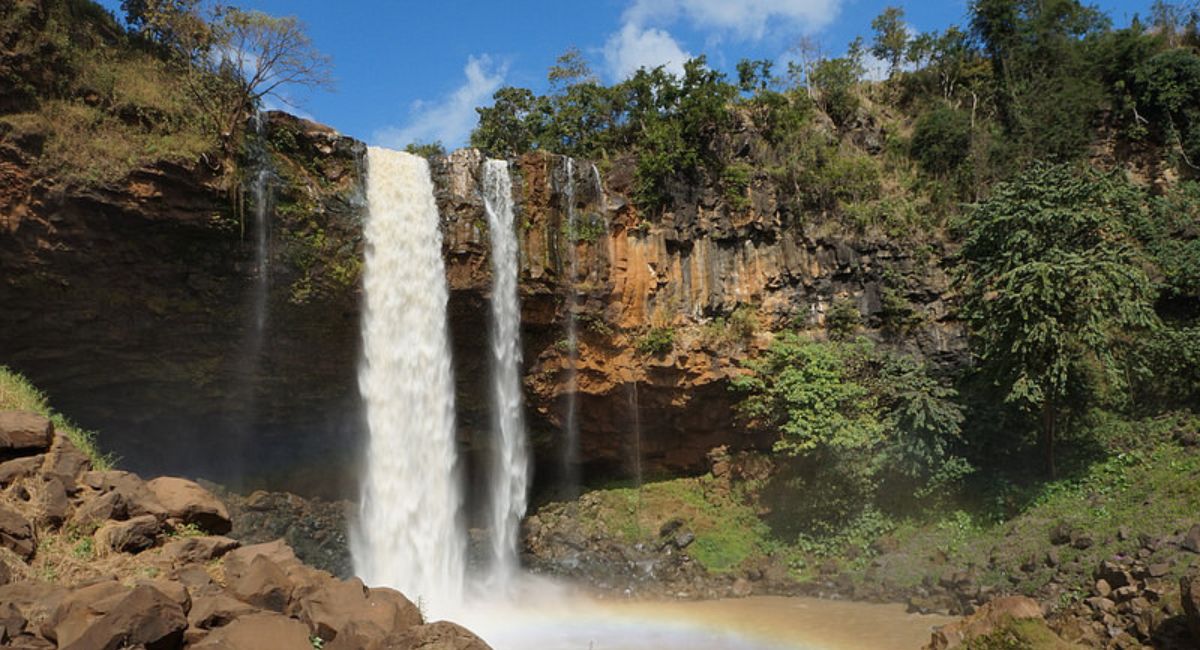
(410,533)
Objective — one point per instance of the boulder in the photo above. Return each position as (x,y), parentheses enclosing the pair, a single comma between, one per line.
(138,498)
(216,610)
(265,631)
(24,432)
(80,608)
(12,622)
(1191,539)
(36,600)
(196,550)
(441,635)
(376,613)
(132,536)
(1189,593)
(169,588)
(145,617)
(984,621)
(52,503)
(262,583)
(5,573)
(238,561)
(191,504)
(66,462)
(99,509)
(19,468)
(16,533)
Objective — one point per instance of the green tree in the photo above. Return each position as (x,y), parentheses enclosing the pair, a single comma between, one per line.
(891,37)
(1051,281)
(859,427)
(514,124)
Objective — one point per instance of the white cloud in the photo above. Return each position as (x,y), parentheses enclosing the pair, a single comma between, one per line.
(746,19)
(451,118)
(635,47)
(643,39)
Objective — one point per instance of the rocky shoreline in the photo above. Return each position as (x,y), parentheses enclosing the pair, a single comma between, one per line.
(100,559)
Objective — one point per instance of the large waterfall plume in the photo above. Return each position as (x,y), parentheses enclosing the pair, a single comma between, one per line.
(409,534)
(510,464)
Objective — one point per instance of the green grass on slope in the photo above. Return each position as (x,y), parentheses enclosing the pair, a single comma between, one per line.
(727,530)
(16,393)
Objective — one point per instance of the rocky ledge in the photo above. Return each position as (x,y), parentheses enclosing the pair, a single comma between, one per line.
(100,559)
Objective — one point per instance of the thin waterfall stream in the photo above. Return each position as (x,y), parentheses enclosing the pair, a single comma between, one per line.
(409,534)
(509,478)
(572,479)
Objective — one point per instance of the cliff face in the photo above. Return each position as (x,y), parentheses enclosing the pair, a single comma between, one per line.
(666,307)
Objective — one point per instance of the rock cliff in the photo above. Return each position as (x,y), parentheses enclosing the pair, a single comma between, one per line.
(666,305)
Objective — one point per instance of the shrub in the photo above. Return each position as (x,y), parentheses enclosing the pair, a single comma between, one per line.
(941,140)
(657,341)
(843,319)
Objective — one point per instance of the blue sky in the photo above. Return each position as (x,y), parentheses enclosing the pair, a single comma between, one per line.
(415,70)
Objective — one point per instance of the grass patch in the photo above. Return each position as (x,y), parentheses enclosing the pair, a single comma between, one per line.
(727,530)
(17,393)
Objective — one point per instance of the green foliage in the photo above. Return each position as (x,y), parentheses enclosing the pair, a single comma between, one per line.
(891,37)
(735,183)
(1167,88)
(1050,281)
(426,149)
(836,81)
(657,341)
(859,427)
(84,549)
(843,319)
(941,140)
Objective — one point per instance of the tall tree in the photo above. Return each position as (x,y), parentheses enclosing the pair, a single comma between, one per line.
(891,37)
(1051,281)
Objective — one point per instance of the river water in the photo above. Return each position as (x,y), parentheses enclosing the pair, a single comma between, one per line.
(562,622)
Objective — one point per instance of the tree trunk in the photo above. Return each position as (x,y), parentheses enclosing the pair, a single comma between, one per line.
(1048,425)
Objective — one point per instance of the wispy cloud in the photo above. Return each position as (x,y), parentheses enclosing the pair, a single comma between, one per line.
(451,118)
(643,39)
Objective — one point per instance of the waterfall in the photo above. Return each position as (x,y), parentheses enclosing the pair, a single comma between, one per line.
(510,464)
(409,535)
(571,448)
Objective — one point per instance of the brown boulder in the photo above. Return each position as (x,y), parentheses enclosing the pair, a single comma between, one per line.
(36,600)
(138,498)
(100,508)
(132,536)
(16,533)
(1191,539)
(986,620)
(195,550)
(375,613)
(262,584)
(24,432)
(216,610)
(441,635)
(191,504)
(19,468)
(52,503)
(78,609)
(143,617)
(238,561)
(12,622)
(1189,593)
(266,631)
(66,462)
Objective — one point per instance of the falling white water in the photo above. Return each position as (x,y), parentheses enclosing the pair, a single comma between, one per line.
(571,449)
(510,464)
(409,535)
